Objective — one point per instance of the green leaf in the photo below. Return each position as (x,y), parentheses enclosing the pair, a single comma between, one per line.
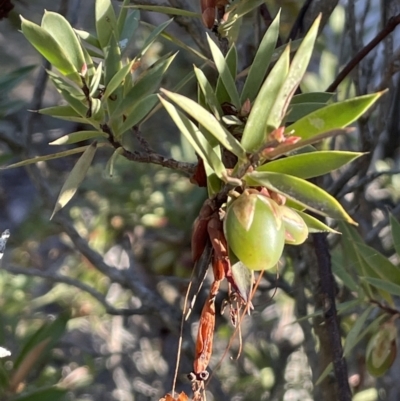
(208,93)
(308,165)
(64,113)
(139,112)
(314,225)
(225,72)
(196,139)
(340,271)
(75,178)
(60,29)
(117,79)
(152,38)
(168,10)
(333,116)
(353,258)
(234,13)
(146,84)
(95,82)
(261,62)
(352,336)
(106,22)
(299,110)
(254,134)
(372,327)
(312,97)
(121,20)
(303,192)
(78,137)
(395,229)
(179,43)
(387,286)
(49,48)
(45,158)
(130,26)
(209,122)
(381,265)
(111,161)
(112,65)
(296,72)
(89,38)
(43,394)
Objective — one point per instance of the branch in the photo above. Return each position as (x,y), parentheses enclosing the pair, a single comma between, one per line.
(149,156)
(126,278)
(58,278)
(327,299)
(391,25)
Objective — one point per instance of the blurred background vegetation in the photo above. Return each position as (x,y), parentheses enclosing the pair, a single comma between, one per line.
(107,342)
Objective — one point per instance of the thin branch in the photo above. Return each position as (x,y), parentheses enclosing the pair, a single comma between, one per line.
(149,157)
(58,278)
(327,299)
(391,25)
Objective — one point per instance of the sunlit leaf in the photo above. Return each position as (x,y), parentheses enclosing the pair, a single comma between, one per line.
(61,30)
(196,139)
(52,156)
(209,122)
(208,93)
(94,84)
(117,79)
(75,177)
(110,164)
(308,165)
(77,137)
(296,72)
(89,38)
(49,48)
(333,116)
(301,191)
(261,62)
(254,134)
(225,74)
(314,225)
(145,85)
(106,22)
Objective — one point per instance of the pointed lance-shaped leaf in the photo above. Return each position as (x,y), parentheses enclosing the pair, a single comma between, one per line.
(209,122)
(106,22)
(75,178)
(61,30)
(261,62)
(333,116)
(302,192)
(50,49)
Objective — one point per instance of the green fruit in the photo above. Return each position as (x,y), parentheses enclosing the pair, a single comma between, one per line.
(296,230)
(382,350)
(254,230)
